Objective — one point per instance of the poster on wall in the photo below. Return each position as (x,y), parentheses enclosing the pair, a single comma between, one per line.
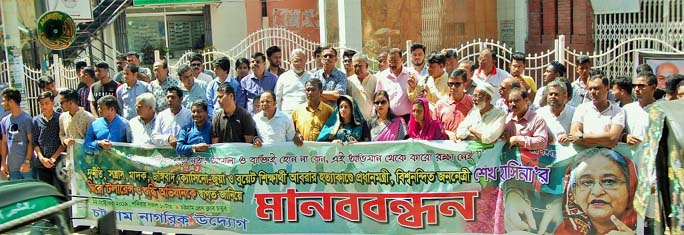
(79,10)
(663,64)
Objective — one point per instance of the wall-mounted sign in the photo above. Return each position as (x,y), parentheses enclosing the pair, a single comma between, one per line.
(79,10)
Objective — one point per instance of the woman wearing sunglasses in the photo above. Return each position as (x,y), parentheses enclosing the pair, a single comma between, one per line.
(385,125)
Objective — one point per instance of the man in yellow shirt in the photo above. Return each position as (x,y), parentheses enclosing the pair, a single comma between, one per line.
(309,118)
(517,68)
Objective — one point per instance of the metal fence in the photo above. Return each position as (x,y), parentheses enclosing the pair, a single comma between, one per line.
(616,61)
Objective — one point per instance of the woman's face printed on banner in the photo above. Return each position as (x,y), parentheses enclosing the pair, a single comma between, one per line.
(601,189)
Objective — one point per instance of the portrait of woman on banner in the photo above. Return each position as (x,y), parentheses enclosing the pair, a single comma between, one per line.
(599,190)
(346,124)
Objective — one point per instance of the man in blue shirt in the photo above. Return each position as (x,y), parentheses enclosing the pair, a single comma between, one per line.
(254,84)
(334,80)
(127,92)
(221,68)
(108,128)
(193,89)
(17,146)
(195,137)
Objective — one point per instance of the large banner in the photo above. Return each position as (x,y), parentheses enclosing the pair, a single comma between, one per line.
(406,187)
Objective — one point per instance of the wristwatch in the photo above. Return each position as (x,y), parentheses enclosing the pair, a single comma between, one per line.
(27,161)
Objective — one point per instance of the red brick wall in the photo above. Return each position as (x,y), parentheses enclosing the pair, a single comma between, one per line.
(572,18)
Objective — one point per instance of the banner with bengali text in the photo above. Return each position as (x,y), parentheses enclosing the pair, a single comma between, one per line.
(404,187)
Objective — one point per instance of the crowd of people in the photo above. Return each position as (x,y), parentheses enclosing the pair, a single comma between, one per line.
(436,97)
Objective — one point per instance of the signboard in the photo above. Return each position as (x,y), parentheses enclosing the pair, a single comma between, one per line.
(170,2)
(79,10)
(406,187)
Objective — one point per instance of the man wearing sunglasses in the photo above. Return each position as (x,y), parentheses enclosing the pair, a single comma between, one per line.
(17,146)
(197,66)
(636,116)
(452,109)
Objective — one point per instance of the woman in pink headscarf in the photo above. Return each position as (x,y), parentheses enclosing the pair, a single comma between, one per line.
(421,126)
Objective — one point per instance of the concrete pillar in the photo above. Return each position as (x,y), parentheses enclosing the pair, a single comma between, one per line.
(322,22)
(15,62)
(349,12)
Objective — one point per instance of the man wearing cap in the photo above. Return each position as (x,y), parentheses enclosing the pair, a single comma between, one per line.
(484,123)
(222,69)
(103,87)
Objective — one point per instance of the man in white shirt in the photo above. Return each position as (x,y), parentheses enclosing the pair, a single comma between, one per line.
(557,115)
(484,123)
(143,124)
(272,125)
(289,89)
(600,122)
(636,116)
(488,72)
(362,85)
(170,121)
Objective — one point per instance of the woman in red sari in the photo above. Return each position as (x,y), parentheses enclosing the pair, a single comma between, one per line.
(421,126)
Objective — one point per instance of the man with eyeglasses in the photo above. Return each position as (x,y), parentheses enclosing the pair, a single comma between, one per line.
(17,139)
(197,66)
(334,80)
(504,89)
(347,62)
(434,86)
(636,116)
(484,123)
(453,108)
(523,126)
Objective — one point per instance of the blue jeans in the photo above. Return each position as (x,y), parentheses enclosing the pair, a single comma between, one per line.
(18,175)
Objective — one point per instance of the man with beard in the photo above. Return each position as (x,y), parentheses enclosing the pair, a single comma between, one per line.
(120,62)
(557,115)
(600,122)
(289,91)
(636,116)
(524,127)
(418,59)
(484,123)
(488,72)
(275,57)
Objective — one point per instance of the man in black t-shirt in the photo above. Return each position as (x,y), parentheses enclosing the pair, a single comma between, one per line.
(103,87)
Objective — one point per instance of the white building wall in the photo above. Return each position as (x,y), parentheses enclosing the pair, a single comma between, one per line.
(512,18)
(228,24)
